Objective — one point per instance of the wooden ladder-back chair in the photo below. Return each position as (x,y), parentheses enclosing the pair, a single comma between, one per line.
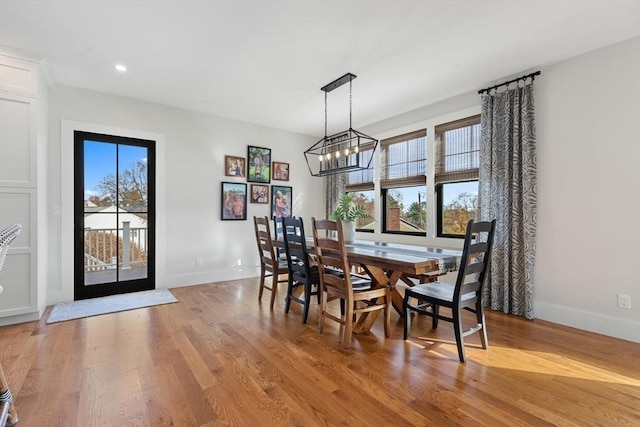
(8,415)
(270,264)
(303,271)
(465,294)
(337,282)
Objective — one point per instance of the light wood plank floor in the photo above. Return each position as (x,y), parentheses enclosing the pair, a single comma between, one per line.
(220,358)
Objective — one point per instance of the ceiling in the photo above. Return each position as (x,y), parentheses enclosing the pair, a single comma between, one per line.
(265,61)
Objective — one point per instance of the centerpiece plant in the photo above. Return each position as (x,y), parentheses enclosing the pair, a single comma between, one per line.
(348,211)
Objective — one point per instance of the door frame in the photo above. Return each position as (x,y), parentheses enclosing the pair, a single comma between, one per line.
(111,288)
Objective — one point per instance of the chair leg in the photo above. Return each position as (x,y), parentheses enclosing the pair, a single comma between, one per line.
(407,316)
(348,325)
(387,315)
(262,275)
(323,308)
(436,313)
(307,302)
(12,415)
(457,327)
(481,321)
(287,300)
(274,289)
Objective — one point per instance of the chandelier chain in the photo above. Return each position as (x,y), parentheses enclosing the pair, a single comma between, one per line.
(325,114)
(350,98)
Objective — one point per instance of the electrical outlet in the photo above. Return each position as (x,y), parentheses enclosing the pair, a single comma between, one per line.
(624,301)
(198,262)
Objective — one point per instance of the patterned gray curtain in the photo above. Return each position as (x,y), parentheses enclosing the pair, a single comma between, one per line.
(508,194)
(335,188)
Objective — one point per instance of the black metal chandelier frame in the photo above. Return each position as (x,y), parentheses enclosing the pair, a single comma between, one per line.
(345,151)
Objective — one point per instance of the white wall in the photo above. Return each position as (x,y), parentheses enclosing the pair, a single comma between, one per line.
(588,141)
(190,170)
(588,251)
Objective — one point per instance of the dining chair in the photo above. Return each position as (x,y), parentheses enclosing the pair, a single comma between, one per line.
(358,292)
(465,294)
(270,264)
(8,414)
(303,271)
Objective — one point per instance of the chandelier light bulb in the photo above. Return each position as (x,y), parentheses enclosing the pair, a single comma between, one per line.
(346,152)
(337,154)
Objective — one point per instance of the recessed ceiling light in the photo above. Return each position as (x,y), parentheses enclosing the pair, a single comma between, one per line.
(121,68)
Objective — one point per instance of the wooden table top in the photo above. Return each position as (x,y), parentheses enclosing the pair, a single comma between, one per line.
(409,259)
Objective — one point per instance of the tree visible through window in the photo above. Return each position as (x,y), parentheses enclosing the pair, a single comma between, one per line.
(459,205)
(456,174)
(403,183)
(366,199)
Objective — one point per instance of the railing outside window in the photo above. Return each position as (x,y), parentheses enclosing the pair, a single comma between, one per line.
(108,248)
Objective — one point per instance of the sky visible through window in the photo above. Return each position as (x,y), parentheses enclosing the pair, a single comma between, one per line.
(100,160)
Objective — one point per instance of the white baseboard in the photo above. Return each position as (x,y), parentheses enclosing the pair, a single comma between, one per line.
(21,318)
(593,322)
(190,279)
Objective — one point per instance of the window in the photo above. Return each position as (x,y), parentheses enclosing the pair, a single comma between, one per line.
(403,183)
(360,184)
(365,198)
(456,175)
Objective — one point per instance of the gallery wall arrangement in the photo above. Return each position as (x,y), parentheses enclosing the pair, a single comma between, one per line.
(258,169)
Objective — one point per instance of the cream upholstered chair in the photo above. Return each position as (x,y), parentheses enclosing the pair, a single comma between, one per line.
(271,265)
(357,293)
(8,415)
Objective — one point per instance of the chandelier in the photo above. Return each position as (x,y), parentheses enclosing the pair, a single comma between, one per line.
(345,151)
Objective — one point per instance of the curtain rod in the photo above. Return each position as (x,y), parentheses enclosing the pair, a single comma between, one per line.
(488,89)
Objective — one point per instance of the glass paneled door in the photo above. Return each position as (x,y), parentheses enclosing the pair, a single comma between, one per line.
(114,215)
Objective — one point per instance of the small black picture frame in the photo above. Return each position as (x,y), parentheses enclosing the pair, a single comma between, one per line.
(281,200)
(258,164)
(233,201)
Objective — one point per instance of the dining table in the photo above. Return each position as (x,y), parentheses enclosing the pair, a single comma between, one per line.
(388,263)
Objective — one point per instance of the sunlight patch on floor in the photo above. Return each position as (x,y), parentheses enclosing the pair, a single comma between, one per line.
(548,364)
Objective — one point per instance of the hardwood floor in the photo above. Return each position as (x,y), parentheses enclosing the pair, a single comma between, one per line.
(218,357)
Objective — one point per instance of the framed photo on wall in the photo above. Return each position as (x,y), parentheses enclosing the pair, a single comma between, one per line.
(260,194)
(280,171)
(234,166)
(281,199)
(233,201)
(259,164)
